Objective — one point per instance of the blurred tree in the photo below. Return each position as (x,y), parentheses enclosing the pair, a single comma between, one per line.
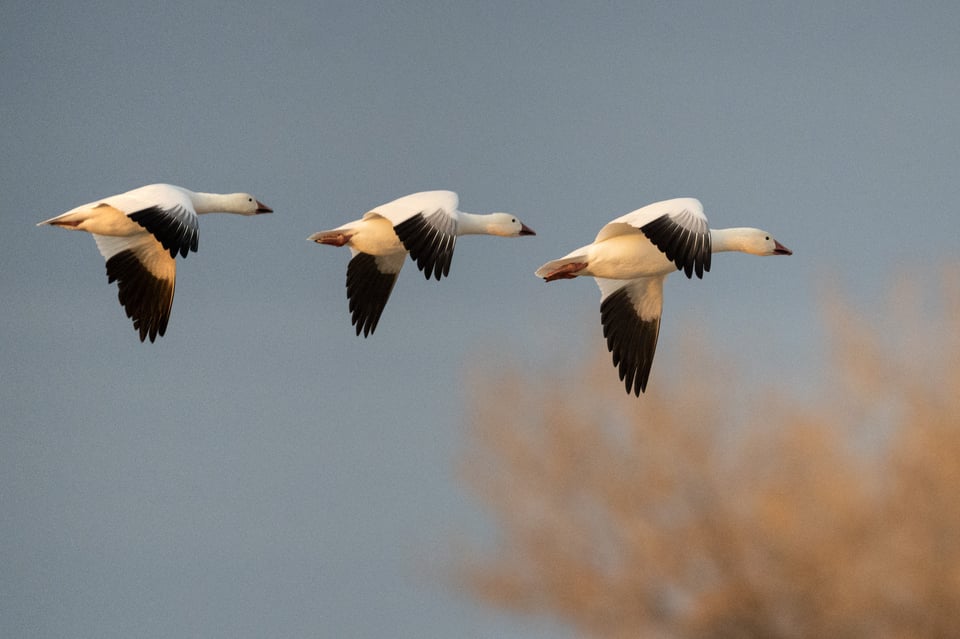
(698,512)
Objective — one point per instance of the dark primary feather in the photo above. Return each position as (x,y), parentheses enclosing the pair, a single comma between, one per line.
(430,241)
(146,298)
(175,228)
(631,340)
(689,249)
(368,290)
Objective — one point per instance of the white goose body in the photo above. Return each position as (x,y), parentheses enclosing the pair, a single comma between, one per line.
(140,232)
(623,255)
(630,259)
(424,225)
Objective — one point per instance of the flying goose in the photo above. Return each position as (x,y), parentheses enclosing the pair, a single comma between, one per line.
(140,232)
(631,257)
(426,225)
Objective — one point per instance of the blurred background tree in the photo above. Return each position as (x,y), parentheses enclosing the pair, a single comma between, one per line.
(703,510)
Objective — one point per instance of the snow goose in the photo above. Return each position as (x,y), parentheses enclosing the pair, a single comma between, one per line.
(631,257)
(140,232)
(425,225)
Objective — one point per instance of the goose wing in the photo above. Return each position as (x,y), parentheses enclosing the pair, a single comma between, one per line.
(146,275)
(677,227)
(165,211)
(426,224)
(370,280)
(630,315)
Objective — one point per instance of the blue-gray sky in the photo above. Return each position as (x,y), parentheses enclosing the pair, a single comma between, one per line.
(260,471)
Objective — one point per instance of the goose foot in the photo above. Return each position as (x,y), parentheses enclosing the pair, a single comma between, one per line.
(566,272)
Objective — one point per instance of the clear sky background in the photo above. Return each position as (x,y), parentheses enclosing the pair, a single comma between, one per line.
(261,471)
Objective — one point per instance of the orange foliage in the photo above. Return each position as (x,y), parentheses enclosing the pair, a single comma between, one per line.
(686,516)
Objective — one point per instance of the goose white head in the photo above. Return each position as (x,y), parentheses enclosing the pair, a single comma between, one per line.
(762,243)
(239,203)
(250,205)
(747,240)
(506,225)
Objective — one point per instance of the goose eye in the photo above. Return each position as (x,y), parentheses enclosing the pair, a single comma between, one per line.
(514,220)
(768,238)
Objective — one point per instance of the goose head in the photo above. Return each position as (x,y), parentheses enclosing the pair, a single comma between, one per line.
(507,225)
(250,205)
(237,203)
(759,242)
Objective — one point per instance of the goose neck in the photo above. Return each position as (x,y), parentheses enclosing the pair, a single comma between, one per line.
(472,223)
(214,202)
(731,239)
